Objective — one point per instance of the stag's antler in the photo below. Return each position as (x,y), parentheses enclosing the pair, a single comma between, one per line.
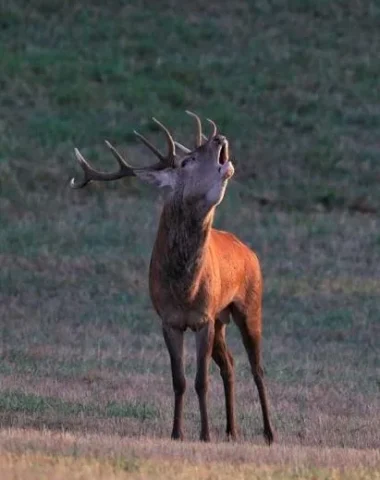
(167,160)
(199,135)
(126,170)
(90,173)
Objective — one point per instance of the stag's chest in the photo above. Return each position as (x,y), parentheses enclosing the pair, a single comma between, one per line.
(179,301)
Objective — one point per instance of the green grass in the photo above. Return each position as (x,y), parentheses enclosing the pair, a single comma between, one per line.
(301,101)
(19,402)
(294,87)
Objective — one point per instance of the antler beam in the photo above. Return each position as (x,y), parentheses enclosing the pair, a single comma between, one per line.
(126,170)
(90,173)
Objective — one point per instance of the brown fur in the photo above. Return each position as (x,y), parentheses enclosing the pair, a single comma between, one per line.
(198,277)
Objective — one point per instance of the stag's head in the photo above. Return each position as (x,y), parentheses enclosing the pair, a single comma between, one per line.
(197,176)
(201,174)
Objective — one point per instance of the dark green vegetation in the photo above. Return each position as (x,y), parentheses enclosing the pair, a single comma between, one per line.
(295,87)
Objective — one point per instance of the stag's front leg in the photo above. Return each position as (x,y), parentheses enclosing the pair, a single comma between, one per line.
(204,341)
(174,342)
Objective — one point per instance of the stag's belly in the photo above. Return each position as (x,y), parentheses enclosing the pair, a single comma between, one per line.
(191,319)
(176,313)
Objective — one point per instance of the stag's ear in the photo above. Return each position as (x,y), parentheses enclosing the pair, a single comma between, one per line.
(159,178)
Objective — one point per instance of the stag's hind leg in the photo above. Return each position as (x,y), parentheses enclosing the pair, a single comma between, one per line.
(223,358)
(250,329)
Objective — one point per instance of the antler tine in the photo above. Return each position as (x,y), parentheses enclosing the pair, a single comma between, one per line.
(124,164)
(150,146)
(182,147)
(171,145)
(86,168)
(198,138)
(168,160)
(120,160)
(215,129)
(125,170)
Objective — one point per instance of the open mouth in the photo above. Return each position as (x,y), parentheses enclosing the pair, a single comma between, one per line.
(223,154)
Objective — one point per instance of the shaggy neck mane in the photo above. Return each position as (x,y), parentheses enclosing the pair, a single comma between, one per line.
(183,236)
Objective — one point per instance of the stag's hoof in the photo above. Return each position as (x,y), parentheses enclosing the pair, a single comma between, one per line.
(269,436)
(204,437)
(177,436)
(231,436)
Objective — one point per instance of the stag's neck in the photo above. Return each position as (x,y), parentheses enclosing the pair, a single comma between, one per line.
(182,242)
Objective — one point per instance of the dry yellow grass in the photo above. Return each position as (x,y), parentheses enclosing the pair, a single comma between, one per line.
(41,467)
(29,455)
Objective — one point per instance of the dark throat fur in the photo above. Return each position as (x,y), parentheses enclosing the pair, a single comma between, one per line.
(187,231)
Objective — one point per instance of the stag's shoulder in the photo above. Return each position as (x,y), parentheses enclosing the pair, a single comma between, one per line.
(227,240)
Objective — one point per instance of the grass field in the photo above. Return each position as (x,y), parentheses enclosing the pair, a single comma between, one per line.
(85,385)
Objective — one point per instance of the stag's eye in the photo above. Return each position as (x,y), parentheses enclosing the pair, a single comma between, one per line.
(187,160)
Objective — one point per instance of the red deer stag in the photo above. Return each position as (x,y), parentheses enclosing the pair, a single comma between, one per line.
(198,275)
